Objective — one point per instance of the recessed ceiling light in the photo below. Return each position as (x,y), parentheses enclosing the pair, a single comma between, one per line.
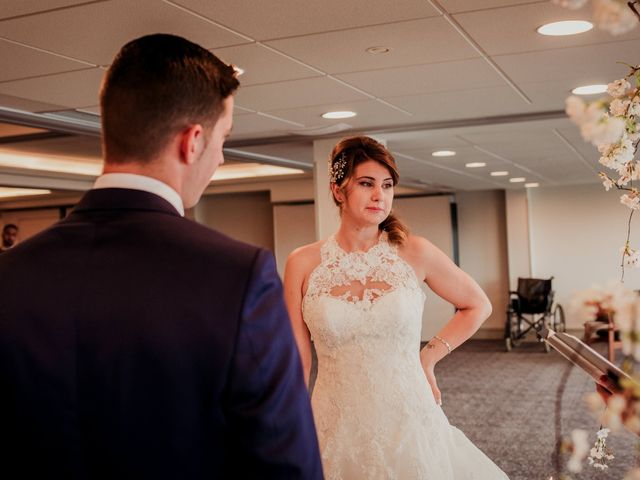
(239,71)
(568,27)
(341,114)
(517,179)
(589,89)
(502,173)
(378,50)
(475,165)
(443,153)
(531,185)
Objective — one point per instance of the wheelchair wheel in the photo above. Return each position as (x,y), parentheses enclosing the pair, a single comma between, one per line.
(513,329)
(559,324)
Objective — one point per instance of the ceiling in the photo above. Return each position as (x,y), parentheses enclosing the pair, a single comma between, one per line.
(468,75)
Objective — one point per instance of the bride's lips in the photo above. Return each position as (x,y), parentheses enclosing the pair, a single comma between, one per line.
(375,209)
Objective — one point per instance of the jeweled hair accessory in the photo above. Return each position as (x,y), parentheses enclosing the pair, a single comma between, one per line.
(336,169)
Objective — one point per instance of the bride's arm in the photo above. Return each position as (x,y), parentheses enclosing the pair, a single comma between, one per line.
(294,275)
(448,281)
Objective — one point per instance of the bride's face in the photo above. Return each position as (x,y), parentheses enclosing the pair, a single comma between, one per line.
(367,196)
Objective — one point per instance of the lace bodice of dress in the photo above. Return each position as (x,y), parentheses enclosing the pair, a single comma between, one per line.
(353,296)
(359,276)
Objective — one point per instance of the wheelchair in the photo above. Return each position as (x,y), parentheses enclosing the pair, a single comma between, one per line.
(531,308)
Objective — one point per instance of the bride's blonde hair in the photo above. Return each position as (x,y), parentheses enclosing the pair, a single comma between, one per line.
(352,151)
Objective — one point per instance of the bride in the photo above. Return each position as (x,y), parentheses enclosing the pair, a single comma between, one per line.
(376,400)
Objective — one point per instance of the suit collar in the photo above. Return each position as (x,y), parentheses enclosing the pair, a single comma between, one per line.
(124,199)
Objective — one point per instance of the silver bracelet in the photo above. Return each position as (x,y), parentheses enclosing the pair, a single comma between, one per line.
(444,342)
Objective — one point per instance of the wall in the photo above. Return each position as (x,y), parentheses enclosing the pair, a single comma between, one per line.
(245,216)
(430,217)
(576,235)
(293,226)
(483,250)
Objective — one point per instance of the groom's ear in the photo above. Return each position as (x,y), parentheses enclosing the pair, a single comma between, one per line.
(192,143)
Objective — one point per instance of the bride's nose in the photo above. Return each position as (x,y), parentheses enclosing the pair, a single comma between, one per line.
(376,194)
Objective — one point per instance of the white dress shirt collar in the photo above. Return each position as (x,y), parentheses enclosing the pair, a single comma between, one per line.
(141,182)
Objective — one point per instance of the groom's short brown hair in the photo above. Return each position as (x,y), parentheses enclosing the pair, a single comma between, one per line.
(156,86)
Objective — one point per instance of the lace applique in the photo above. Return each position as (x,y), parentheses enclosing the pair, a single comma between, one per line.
(359,276)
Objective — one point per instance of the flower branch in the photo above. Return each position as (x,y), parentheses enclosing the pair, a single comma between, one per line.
(612,125)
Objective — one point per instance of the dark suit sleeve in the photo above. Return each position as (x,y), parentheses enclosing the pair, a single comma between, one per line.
(269,412)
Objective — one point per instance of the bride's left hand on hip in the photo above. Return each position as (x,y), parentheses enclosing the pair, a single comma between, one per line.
(433,383)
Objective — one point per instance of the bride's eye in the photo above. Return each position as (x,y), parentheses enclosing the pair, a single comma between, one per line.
(365,184)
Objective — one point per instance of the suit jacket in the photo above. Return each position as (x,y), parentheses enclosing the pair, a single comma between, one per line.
(135,343)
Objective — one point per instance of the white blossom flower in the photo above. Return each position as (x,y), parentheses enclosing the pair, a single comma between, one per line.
(634,107)
(618,88)
(618,107)
(605,148)
(607,184)
(571,4)
(632,201)
(575,108)
(632,259)
(605,129)
(618,156)
(614,16)
(599,453)
(579,438)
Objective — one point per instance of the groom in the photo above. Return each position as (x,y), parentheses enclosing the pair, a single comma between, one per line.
(135,343)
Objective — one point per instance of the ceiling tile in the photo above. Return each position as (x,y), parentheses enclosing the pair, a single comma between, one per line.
(433,77)
(76,33)
(592,64)
(18,103)
(477,103)
(426,140)
(299,151)
(525,135)
(254,125)
(261,65)
(72,90)
(264,20)
(413,42)
(455,6)
(369,113)
(295,93)
(11,8)
(28,62)
(513,29)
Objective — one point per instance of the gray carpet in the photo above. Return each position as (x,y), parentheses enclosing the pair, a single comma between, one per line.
(513,405)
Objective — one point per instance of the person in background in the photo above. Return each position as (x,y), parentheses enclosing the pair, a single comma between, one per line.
(9,236)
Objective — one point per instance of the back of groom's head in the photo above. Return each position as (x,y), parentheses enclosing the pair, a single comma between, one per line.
(156,86)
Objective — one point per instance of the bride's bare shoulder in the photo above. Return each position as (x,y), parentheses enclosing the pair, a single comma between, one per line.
(417,247)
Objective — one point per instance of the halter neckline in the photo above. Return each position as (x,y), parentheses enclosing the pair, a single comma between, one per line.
(382,239)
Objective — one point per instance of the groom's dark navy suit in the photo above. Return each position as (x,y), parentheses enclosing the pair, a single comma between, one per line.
(137,344)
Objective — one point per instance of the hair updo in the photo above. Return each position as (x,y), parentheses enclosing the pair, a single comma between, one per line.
(347,155)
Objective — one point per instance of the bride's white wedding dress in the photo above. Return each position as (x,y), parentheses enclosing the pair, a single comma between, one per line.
(375,413)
